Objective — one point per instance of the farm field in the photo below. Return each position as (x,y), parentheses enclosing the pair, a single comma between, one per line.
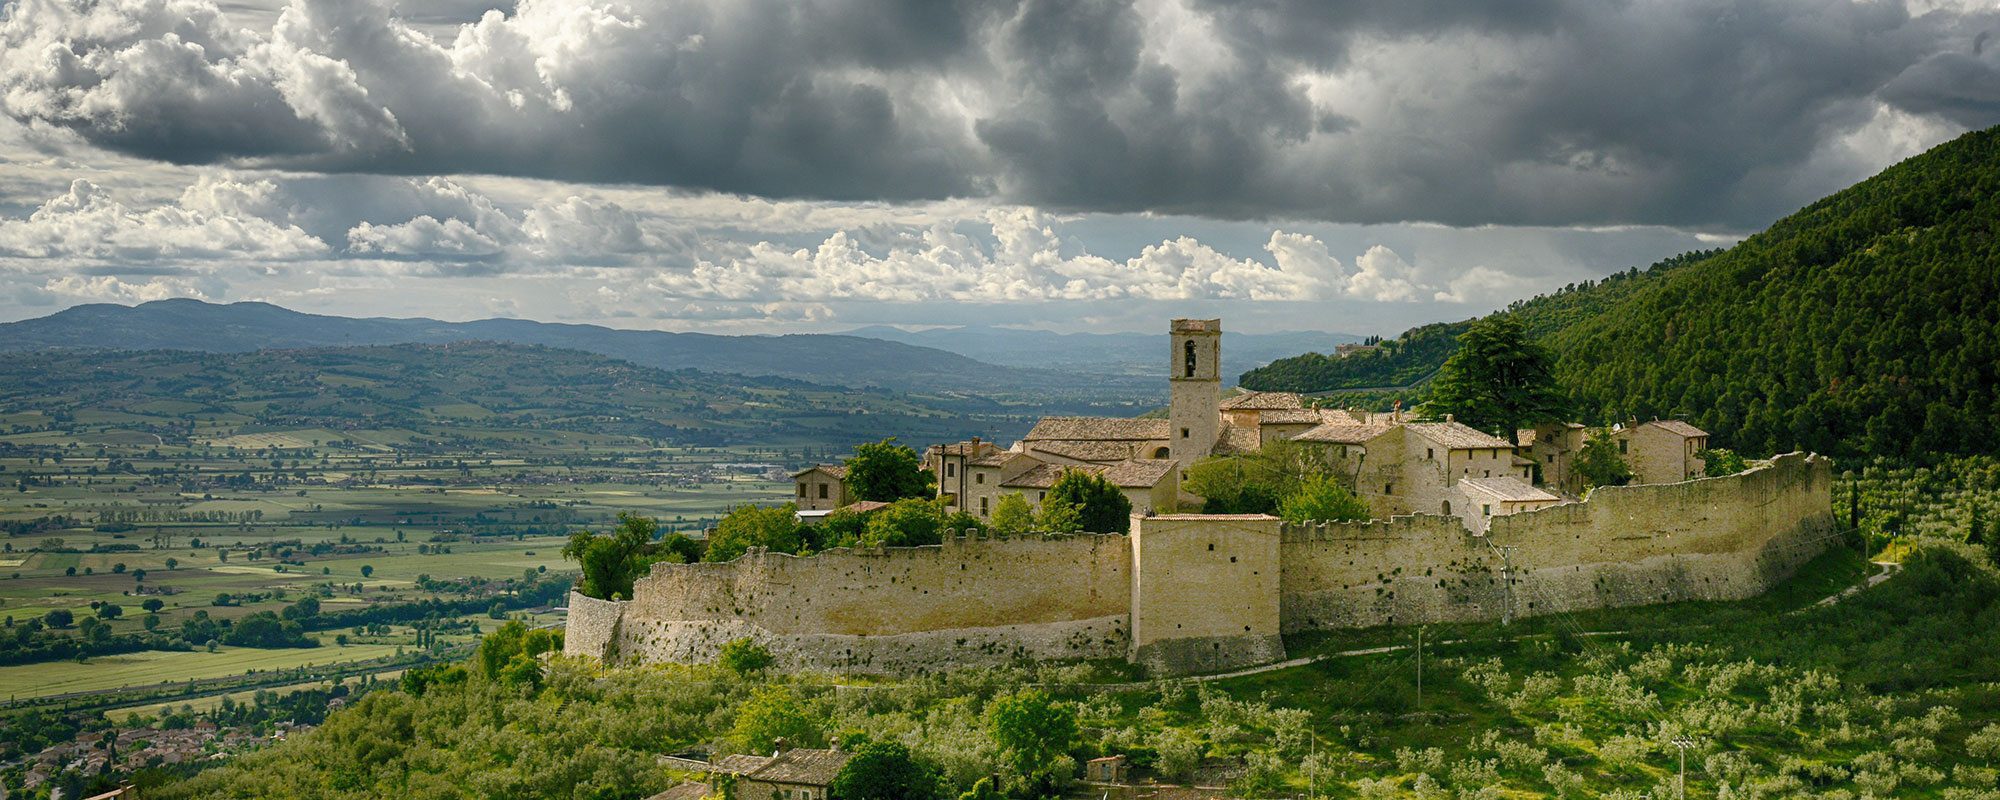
(144,669)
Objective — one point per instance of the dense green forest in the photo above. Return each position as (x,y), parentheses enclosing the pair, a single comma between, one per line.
(1866,323)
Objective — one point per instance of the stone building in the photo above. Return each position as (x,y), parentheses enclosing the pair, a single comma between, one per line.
(796,773)
(1662,451)
(1478,500)
(1406,467)
(821,487)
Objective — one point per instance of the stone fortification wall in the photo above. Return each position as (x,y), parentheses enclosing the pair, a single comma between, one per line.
(1711,539)
(969,601)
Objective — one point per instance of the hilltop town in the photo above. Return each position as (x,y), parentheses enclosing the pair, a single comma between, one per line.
(1466,526)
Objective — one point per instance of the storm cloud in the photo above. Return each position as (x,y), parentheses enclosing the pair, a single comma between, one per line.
(1547,112)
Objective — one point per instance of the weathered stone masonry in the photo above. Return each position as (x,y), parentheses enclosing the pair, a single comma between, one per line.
(1192,593)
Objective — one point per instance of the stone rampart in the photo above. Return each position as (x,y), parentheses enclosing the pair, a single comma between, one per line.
(972,600)
(1710,539)
(1186,593)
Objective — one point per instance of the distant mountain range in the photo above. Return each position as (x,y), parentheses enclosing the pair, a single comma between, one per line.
(1136,354)
(843,360)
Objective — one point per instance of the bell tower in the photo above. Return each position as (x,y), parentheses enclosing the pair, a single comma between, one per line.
(1195,404)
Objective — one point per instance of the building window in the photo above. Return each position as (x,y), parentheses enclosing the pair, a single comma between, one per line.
(979,477)
(822,491)
(1343,451)
(982,506)
(950,470)
(802,490)
(1190,358)
(1161,452)
(1388,488)
(1486,509)
(1040,496)
(1447,508)
(1489,473)
(1430,453)
(1552,458)
(1622,443)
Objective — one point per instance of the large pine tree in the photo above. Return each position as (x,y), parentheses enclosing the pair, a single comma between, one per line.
(1498,381)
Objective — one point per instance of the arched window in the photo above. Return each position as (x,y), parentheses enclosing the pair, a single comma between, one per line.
(1447,508)
(1160,452)
(1190,358)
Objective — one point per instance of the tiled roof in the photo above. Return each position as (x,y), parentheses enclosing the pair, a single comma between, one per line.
(741,763)
(1678,427)
(863,506)
(1238,440)
(836,470)
(1099,429)
(1343,432)
(803,766)
(1508,488)
(685,791)
(1138,473)
(1090,450)
(1458,435)
(1263,401)
(993,459)
(1299,416)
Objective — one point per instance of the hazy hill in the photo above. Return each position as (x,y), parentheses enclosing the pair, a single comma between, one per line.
(1138,354)
(240,327)
(466,390)
(1868,322)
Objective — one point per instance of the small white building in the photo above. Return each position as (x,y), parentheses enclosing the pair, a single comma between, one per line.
(1478,500)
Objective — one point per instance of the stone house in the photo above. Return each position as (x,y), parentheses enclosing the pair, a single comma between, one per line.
(798,773)
(1152,485)
(1662,451)
(1404,467)
(1106,769)
(1554,447)
(821,487)
(1478,500)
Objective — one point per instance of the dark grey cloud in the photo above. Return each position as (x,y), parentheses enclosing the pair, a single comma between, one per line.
(1557,112)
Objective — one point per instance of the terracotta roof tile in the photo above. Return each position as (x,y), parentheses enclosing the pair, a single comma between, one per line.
(1344,432)
(1678,427)
(1263,401)
(1299,416)
(1089,450)
(1508,488)
(803,766)
(1238,440)
(838,471)
(1138,473)
(1098,429)
(685,791)
(1458,436)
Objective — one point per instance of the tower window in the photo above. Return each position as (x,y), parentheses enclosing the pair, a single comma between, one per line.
(1622,443)
(1184,433)
(1189,349)
(1388,488)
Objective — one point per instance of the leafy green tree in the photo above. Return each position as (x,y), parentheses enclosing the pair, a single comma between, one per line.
(910,522)
(842,528)
(1717,462)
(1101,507)
(1235,485)
(367,571)
(1499,381)
(512,654)
(59,618)
(885,472)
(1013,516)
(151,621)
(1034,733)
(982,789)
(1322,498)
(747,526)
(773,713)
(1600,464)
(885,771)
(744,657)
(1059,516)
(613,561)
(110,611)
(152,604)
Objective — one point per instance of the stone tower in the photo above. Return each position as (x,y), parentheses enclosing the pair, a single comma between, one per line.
(1195,407)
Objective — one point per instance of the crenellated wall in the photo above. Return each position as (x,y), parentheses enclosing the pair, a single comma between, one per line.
(1188,593)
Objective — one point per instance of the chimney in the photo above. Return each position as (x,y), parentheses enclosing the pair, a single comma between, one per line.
(780,744)
(1448,418)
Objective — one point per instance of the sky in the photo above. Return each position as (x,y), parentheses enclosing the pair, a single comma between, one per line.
(745,166)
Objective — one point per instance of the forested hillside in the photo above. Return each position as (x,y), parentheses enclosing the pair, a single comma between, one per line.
(1413,357)
(1866,323)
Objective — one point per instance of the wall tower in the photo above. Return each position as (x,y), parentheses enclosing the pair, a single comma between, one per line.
(1195,404)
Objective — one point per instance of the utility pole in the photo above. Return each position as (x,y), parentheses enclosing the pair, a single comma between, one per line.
(1507,579)
(1681,784)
